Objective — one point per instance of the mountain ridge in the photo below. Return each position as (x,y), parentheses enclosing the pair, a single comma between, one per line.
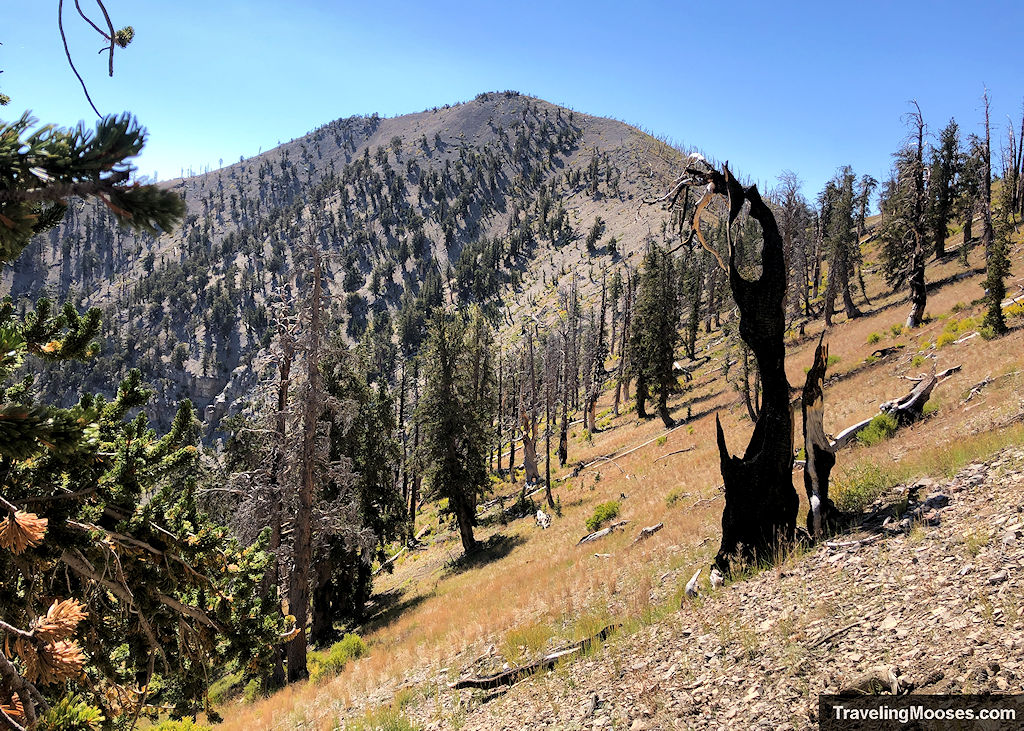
(393,200)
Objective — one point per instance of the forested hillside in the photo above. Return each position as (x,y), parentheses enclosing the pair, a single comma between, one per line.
(480,389)
(491,200)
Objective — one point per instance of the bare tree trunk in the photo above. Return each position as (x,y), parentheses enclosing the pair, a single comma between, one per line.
(528,419)
(302,529)
(501,405)
(760,502)
(641,395)
(547,443)
(563,429)
(822,515)
(272,579)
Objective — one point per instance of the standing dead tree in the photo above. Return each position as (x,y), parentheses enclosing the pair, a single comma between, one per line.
(821,456)
(760,501)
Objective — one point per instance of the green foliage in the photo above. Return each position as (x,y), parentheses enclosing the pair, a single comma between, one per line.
(113,492)
(858,487)
(71,713)
(329,663)
(655,334)
(603,512)
(225,688)
(41,169)
(896,329)
(675,495)
(595,233)
(881,428)
(874,338)
(456,413)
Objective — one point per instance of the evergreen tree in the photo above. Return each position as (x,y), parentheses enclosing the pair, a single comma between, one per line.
(366,441)
(904,224)
(655,331)
(996,260)
(456,412)
(840,241)
(91,487)
(942,183)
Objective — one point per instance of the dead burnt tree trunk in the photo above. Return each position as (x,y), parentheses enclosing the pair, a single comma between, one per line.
(760,501)
(821,458)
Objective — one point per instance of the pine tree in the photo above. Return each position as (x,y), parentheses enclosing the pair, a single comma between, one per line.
(996,260)
(87,487)
(942,183)
(840,241)
(904,227)
(456,412)
(655,331)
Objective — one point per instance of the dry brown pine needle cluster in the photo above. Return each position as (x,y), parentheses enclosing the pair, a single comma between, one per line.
(21,530)
(15,709)
(48,655)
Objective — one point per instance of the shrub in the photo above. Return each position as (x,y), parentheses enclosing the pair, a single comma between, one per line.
(602,513)
(862,485)
(917,360)
(987,332)
(225,688)
(874,338)
(896,329)
(71,713)
(253,691)
(330,663)
(946,338)
(660,441)
(881,428)
(673,497)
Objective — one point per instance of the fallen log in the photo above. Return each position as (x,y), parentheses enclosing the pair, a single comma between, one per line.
(691,589)
(601,533)
(886,352)
(906,409)
(405,548)
(678,451)
(853,544)
(648,532)
(513,676)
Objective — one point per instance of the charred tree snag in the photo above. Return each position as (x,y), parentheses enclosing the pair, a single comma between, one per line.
(821,458)
(760,501)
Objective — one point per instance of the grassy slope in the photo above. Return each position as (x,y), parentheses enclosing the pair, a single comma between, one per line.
(538,589)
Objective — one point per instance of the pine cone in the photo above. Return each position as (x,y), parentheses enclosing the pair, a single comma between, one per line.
(22,530)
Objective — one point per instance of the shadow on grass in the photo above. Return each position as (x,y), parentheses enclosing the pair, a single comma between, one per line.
(386,607)
(494,548)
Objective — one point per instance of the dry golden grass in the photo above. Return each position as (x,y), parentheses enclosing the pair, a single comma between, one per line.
(547,587)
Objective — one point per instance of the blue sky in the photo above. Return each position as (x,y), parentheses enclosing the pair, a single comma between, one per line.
(805,86)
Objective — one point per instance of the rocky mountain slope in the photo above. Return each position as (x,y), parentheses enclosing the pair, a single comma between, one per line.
(935,608)
(492,198)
